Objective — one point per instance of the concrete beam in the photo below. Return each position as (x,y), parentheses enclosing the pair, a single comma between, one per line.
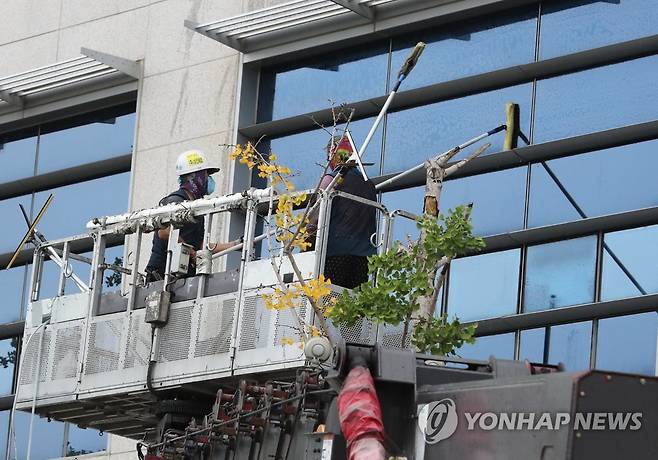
(126,66)
(15,101)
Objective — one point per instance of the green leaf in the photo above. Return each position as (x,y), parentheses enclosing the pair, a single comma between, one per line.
(401,275)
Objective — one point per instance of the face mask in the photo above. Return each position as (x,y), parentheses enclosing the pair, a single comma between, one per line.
(211,185)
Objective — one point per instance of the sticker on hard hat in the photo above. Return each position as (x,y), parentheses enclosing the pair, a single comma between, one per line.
(194,159)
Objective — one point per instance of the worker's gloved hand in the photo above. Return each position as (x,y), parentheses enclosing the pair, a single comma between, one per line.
(204,261)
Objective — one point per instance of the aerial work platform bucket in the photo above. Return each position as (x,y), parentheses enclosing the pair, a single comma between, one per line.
(87,354)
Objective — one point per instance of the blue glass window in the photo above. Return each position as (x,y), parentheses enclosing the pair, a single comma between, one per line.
(4,430)
(498,202)
(501,346)
(628,343)
(571,345)
(17,158)
(560,274)
(414,135)
(567,343)
(484,286)
(592,180)
(85,441)
(12,288)
(338,76)
(110,136)
(13,224)
(571,26)
(7,363)
(532,345)
(74,205)
(469,48)
(597,99)
(637,252)
(306,156)
(47,437)
(51,272)
(410,200)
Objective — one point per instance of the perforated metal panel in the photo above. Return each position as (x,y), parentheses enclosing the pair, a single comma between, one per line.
(391,336)
(138,346)
(177,334)
(256,319)
(288,324)
(104,346)
(30,358)
(67,352)
(363,332)
(213,336)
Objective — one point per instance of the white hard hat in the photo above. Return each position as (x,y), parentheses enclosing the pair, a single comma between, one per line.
(193,161)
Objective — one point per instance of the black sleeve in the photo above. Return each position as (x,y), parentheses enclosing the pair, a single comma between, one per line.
(189,233)
(171,199)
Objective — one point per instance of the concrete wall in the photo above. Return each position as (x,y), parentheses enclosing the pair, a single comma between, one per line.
(187,97)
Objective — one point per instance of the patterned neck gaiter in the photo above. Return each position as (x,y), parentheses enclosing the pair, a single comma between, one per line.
(197,185)
(341,152)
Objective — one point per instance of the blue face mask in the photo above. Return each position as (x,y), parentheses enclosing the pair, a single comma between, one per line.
(211,185)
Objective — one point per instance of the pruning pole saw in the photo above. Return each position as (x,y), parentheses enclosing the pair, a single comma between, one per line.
(37,239)
(355,157)
(513,133)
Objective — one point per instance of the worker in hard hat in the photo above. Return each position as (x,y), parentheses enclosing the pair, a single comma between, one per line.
(195,181)
(351,223)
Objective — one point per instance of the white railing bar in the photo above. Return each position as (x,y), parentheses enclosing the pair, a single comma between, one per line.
(201,205)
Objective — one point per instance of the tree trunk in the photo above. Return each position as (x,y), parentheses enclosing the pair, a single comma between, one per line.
(435,175)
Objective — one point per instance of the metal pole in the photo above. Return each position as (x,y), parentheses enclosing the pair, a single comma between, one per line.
(134,276)
(239,246)
(357,157)
(12,416)
(36,391)
(453,151)
(323,198)
(173,240)
(203,279)
(249,228)
(58,260)
(200,205)
(62,271)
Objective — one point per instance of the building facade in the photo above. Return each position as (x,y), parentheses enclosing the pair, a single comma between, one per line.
(569,273)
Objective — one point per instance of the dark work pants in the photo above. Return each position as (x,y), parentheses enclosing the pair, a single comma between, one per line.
(347,271)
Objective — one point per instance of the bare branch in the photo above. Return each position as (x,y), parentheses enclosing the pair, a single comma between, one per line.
(309,209)
(446,157)
(440,280)
(461,163)
(314,305)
